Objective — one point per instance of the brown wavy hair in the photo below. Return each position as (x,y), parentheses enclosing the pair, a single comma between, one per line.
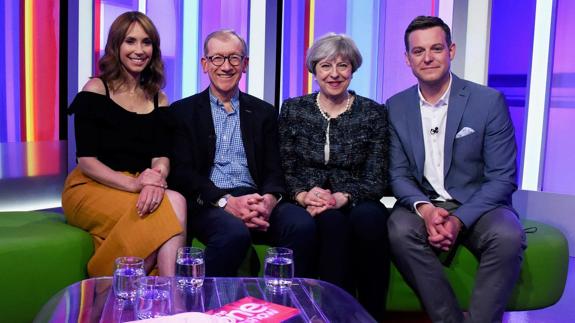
(111,70)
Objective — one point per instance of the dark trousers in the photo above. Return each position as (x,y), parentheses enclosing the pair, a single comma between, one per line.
(228,240)
(353,252)
(496,239)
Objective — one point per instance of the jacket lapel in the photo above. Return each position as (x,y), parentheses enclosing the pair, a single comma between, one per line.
(413,118)
(206,124)
(457,105)
(247,127)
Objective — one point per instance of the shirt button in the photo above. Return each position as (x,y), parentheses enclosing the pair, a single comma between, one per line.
(225,137)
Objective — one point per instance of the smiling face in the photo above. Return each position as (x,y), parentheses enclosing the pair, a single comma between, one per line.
(136,50)
(430,56)
(333,76)
(224,79)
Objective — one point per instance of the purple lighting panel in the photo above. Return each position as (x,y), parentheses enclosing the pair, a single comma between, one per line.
(558,174)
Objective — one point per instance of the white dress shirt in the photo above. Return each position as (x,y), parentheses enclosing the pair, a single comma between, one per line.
(433,123)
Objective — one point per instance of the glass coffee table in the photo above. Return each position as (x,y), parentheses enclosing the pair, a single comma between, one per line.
(92,300)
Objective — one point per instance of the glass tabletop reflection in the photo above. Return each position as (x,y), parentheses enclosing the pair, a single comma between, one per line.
(93,300)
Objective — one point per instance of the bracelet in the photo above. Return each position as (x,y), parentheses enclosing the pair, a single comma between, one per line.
(348,197)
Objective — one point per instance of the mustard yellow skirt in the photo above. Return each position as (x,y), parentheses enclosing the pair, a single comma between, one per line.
(110,216)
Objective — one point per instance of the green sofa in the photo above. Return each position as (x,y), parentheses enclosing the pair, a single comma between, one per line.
(40,255)
(540,284)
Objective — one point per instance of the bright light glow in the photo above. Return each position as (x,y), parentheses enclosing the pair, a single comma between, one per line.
(142,6)
(29,67)
(84,42)
(190,48)
(31,205)
(256,76)
(310,40)
(538,96)
(477,42)
(446,12)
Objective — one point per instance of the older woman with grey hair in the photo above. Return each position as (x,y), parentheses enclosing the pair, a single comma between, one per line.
(334,149)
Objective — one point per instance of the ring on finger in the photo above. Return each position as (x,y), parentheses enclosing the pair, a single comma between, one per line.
(316,194)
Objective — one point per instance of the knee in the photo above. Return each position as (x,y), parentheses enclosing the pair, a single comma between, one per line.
(178,203)
(299,220)
(403,228)
(370,216)
(236,235)
(397,227)
(509,240)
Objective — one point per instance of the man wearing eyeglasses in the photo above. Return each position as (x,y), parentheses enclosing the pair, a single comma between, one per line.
(226,163)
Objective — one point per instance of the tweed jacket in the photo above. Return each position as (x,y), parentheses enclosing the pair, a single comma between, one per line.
(358,161)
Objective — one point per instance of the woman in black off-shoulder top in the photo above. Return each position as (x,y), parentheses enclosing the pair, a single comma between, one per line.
(334,147)
(118,191)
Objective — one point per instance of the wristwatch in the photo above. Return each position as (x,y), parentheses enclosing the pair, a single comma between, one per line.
(223,201)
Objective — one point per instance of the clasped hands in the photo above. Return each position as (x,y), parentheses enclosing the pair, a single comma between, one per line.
(152,186)
(253,209)
(442,227)
(318,200)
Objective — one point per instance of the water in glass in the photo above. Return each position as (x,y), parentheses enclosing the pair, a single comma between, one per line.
(278,272)
(154,297)
(126,282)
(190,272)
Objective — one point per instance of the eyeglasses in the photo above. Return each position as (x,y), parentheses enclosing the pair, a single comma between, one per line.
(219,60)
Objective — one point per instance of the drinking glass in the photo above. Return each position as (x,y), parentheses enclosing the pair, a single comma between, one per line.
(278,268)
(190,267)
(126,274)
(154,298)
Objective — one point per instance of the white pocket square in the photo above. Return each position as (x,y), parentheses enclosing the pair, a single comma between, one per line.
(466,131)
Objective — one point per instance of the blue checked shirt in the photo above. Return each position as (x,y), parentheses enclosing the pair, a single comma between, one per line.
(230,168)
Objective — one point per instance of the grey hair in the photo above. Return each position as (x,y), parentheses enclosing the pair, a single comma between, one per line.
(331,45)
(225,34)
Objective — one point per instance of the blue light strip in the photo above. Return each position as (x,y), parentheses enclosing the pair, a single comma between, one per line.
(190,47)
(538,100)
(359,15)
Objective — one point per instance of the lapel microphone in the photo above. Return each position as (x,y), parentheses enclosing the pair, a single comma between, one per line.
(434,131)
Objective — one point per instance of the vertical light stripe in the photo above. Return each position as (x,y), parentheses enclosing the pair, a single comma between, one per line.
(190,47)
(257,40)
(84,41)
(311,37)
(538,100)
(31,159)
(284,25)
(445,12)
(477,44)
(2,160)
(142,6)
(12,124)
(29,67)
(361,14)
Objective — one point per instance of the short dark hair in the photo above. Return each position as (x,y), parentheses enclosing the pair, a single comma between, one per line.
(426,22)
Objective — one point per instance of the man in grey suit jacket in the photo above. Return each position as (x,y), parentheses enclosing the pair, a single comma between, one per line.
(452,169)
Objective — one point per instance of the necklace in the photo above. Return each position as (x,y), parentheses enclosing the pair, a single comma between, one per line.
(324,113)
(328,118)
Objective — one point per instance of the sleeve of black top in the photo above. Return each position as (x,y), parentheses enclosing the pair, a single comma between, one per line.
(86,124)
